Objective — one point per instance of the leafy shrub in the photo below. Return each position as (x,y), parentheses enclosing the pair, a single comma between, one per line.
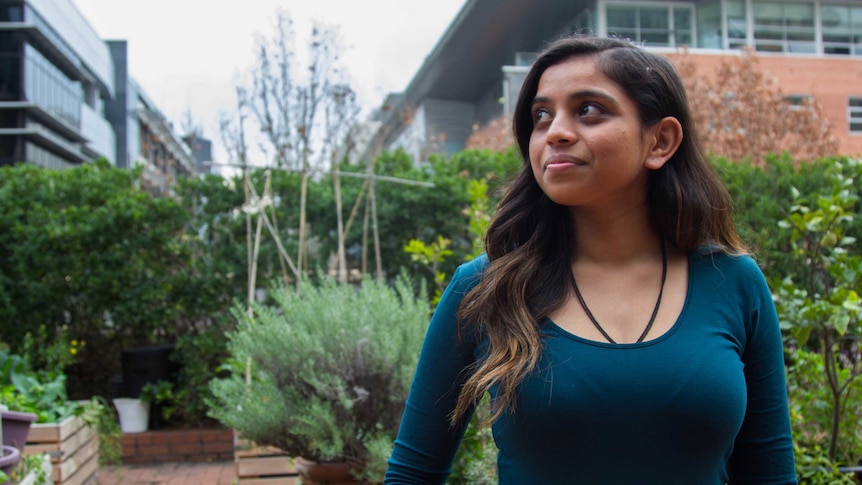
(86,249)
(330,369)
(820,307)
(811,415)
(764,196)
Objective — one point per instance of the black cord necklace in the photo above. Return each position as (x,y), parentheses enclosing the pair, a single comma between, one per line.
(654,311)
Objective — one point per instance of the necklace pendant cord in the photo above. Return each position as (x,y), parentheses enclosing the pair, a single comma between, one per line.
(654,311)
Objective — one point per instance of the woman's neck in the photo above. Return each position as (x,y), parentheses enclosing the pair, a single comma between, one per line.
(614,238)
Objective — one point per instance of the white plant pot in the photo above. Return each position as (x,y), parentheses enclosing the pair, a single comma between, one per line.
(134,414)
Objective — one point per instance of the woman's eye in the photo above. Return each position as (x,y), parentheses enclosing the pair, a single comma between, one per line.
(589,110)
(541,114)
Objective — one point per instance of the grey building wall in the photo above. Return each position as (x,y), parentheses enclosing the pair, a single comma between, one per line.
(448,124)
(117,109)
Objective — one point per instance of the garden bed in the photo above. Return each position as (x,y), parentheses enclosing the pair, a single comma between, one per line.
(262,465)
(73,447)
(180,445)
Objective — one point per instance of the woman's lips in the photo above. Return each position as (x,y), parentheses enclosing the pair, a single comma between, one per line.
(562,162)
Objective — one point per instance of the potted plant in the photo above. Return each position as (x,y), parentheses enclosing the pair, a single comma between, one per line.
(15,427)
(324,373)
(134,414)
(9,457)
(14,424)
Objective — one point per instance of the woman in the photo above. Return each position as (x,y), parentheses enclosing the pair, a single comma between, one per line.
(620,328)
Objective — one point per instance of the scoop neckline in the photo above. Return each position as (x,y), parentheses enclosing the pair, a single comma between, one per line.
(646,343)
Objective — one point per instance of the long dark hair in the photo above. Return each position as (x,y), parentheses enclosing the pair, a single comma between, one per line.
(529,241)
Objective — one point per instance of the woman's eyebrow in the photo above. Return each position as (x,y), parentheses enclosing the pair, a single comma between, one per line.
(585,93)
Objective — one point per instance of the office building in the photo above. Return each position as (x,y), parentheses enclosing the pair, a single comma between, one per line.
(474,73)
(66,98)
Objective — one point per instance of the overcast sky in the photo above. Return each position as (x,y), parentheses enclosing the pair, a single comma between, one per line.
(189,54)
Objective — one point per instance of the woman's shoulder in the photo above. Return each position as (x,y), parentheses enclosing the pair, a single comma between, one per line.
(727,266)
(469,273)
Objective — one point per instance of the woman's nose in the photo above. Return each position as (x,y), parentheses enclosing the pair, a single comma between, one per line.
(561,131)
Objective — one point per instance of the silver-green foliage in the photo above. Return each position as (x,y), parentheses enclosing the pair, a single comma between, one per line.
(331,367)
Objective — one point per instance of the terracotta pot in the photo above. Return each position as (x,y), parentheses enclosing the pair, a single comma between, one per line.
(16,427)
(9,458)
(314,473)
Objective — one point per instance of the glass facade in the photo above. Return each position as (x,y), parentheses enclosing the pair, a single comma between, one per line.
(784,27)
(10,67)
(44,158)
(842,29)
(781,26)
(652,25)
(9,150)
(48,87)
(12,13)
(33,17)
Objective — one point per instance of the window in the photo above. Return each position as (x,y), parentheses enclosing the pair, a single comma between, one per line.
(737,22)
(12,13)
(784,27)
(842,29)
(525,59)
(799,102)
(10,67)
(90,94)
(854,114)
(667,26)
(709,33)
(584,22)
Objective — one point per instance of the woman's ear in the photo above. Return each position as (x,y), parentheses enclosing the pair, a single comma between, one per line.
(663,140)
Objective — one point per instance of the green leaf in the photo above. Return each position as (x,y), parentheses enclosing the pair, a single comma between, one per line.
(801,334)
(839,322)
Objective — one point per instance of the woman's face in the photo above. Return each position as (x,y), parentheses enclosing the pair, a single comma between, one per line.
(588,147)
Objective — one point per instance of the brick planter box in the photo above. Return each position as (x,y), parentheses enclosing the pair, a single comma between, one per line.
(262,465)
(180,445)
(73,448)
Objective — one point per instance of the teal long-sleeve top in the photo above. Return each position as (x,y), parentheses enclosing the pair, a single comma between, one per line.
(704,403)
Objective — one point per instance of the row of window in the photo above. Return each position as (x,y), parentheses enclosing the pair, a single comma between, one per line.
(774,26)
(49,88)
(32,17)
(45,158)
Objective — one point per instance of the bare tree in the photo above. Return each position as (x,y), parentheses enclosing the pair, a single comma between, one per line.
(304,109)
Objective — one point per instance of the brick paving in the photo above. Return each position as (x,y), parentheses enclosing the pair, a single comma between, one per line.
(213,473)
